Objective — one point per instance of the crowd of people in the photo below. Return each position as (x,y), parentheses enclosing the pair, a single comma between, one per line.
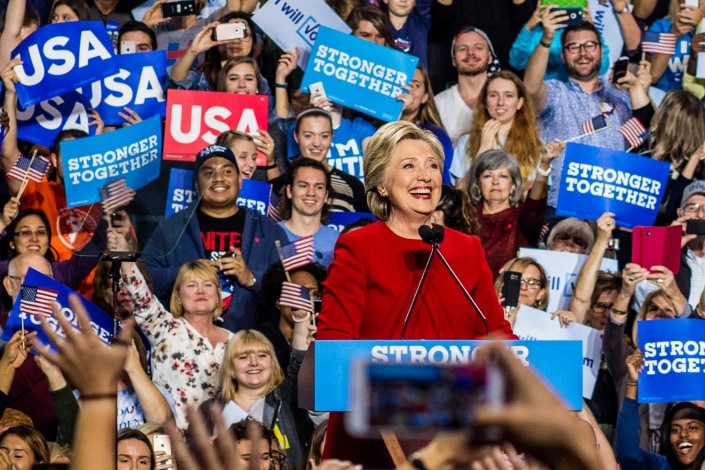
(225,302)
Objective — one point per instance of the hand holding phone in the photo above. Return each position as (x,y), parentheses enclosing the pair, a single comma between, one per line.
(620,69)
(511,288)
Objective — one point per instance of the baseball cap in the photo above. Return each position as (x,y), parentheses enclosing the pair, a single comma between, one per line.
(696,187)
(215,151)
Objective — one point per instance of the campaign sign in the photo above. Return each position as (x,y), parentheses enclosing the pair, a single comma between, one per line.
(294,23)
(181,192)
(57,58)
(558,363)
(562,270)
(194,119)
(138,84)
(41,123)
(339,220)
(674,360)
(357,74)
(100,321)
(254,195)
(534,324)
(596,180)
(131,153)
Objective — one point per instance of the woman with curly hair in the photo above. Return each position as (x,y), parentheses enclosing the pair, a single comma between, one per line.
(503,119)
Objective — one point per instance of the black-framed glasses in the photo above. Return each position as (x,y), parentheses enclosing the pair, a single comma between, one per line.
(20,279)
(574,47)
(277,457)
(600,307)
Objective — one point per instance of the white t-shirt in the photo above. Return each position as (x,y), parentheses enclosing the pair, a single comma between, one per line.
(455,114)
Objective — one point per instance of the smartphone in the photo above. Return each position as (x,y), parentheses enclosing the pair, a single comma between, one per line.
(510,288)
(620,68)
(565,3)
(317,88)
(418,400)
(127,47)
(179,8)
(162,442)
(657,246)
(575,15)
(229,31)
(695,227)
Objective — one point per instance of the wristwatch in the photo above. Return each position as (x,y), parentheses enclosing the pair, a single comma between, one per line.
(622,11)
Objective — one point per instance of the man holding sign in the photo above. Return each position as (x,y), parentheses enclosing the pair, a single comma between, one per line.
(585,107)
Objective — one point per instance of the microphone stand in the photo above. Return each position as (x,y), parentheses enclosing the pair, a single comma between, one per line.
(116,258)
(418,289)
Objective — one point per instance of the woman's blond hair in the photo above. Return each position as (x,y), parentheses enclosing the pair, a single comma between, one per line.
(379,153)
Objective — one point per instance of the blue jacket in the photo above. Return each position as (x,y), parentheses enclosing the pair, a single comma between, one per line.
(177,240)
(629,454)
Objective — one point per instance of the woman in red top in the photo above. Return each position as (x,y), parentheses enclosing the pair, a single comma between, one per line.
(376,269)
(496,190)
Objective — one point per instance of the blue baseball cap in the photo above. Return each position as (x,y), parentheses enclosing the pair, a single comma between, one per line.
(215,151)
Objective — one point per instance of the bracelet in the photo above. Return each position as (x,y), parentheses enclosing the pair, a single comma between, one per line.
(416,462)
(547,45)
(618,312)
(281,85)
(99,396)
(543,172)
(633,383)
(271,167)
(622,11)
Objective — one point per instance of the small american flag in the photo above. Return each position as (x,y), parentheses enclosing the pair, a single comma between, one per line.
(28,168)
(594,124)
(296,296)
(37,300)
(658,43)
(116,194)
(297,254)
(634,132)
(273,206)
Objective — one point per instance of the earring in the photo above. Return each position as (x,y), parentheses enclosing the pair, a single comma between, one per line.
(382,192)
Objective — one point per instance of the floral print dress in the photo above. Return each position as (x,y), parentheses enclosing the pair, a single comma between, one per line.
(183,361)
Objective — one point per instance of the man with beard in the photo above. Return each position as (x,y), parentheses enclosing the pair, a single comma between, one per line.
(473,57)
(563,107)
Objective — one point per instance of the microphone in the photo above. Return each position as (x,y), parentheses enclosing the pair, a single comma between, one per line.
(119,256)
(434,236)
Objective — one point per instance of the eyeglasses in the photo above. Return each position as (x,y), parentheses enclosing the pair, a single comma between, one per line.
(694,208)
(600,307)
(277,457)
(532,284)
(17,278)
(27,233)
(574,47)
(575,240)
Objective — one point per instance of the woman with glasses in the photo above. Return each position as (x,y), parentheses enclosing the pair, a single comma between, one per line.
(507,220)
(251,385)
(572,235)
(533,287)
(30,232)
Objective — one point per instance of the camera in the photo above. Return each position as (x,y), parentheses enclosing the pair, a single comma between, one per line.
(229,31)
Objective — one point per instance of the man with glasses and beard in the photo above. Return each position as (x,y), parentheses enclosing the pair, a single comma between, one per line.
(563,107)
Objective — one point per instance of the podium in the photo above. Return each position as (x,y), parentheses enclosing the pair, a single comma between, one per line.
(324,377)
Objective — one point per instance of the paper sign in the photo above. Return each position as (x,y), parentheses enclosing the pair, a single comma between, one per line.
(674,360)
(294,23)
(100,321)
(533,324)
(131,153)
(41,123)
(194,119)
(595,180)
(138,84)
(562,270)
(60,57)
(357,74)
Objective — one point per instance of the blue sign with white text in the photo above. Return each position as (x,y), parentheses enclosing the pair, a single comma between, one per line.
(60,57)
(42,288)
(674,360)
(596,180)
(254,195)
(558,362)
(357,74)
(138,85)
(41,123)
(133,153)
(339,220)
